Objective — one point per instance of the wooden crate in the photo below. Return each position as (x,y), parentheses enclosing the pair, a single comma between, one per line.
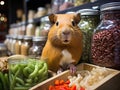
(110,82)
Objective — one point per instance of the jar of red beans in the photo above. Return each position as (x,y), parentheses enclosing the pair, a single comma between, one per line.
(105,50)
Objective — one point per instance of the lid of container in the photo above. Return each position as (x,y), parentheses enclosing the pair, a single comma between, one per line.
(40,38)
(20,37)
(14,36)
(27,37)
(88,12)
(110,6)
(44,19)
(70,12)
(2,46)
(41,8)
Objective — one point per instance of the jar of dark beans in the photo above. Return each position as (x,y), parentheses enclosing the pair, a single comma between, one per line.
(37,47)
(105,49)
(90,18)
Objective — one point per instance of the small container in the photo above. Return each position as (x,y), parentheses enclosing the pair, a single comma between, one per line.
(45,26)
(14,39)
(41,11)
(80,2)
(6,42)
(89,20)
(3,50)
(18,44)
(30,29)
(27,43)
(37,47)
(106,39)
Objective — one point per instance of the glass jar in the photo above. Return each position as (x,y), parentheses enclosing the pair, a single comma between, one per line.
(106,39)
(13,44)
(6,42)
(36,49)
(45,26)
(18,44)
(89,21)
(27,43)
(80,2)
(41,11)
(30,29)
(3,50)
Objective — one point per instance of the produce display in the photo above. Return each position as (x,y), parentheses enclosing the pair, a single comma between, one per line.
(88,79)
(24,74)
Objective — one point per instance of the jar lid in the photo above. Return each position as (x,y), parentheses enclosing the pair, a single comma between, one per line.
(14,36)
(44,19)
(27,37)
(88,12)
(41,8)
(41,38)
(110,6)
(20,37)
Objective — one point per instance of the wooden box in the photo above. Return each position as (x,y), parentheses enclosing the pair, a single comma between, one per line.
(110,82)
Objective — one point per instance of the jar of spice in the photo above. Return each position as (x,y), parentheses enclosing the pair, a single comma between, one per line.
(27,43)
(45,26)
(36,49)
(30,29)
(13,44)
(89,21)
(18,44)
(106,39)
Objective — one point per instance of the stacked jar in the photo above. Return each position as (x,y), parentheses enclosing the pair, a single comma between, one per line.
(27,43)
(18,44)
(89,21)
(13,44)
(106,39)
(37,47)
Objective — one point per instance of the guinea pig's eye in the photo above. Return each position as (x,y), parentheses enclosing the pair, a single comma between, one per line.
(57,23)
(73,23)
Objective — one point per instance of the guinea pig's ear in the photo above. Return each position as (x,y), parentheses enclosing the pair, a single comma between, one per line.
(52,18)
(77,18)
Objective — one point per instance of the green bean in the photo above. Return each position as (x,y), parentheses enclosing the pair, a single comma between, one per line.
(28,80)
(34,73)
(25,72)
(3,81)
(19,80)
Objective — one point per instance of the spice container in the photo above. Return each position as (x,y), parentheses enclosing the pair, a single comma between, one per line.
(18,44)
(41,12)
(45,26)
(3,50)
(106,39)
(80,2)
(27,43)
(36,49)
(13,44)
(89,21)
(30,29)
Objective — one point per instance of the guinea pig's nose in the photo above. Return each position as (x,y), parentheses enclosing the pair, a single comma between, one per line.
(66,32)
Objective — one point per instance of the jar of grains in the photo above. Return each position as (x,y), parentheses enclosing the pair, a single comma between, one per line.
(18,44)
(36,49)
(27,43)
(89,20)
(105,49)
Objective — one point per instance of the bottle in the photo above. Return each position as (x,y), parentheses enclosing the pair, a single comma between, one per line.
(13,44)
(89,20)
(27,43)
(36,49)
(105,50)
(18,44)
(45,26)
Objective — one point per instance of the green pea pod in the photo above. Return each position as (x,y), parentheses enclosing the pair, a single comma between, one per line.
(29,80)
(21,88)
(27,84)
(25,72)
(16,67)
(20,81)
(3,81)
(18,85)
(30,65)
(13,79)
(6,80)
(43,69)
(34,73)
(35,80)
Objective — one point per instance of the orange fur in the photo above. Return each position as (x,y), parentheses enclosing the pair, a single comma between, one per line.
(55,45)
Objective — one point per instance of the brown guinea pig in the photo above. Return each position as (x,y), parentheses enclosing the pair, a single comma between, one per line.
(64,43)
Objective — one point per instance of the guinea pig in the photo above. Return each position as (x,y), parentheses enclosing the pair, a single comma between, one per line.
(64,43)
